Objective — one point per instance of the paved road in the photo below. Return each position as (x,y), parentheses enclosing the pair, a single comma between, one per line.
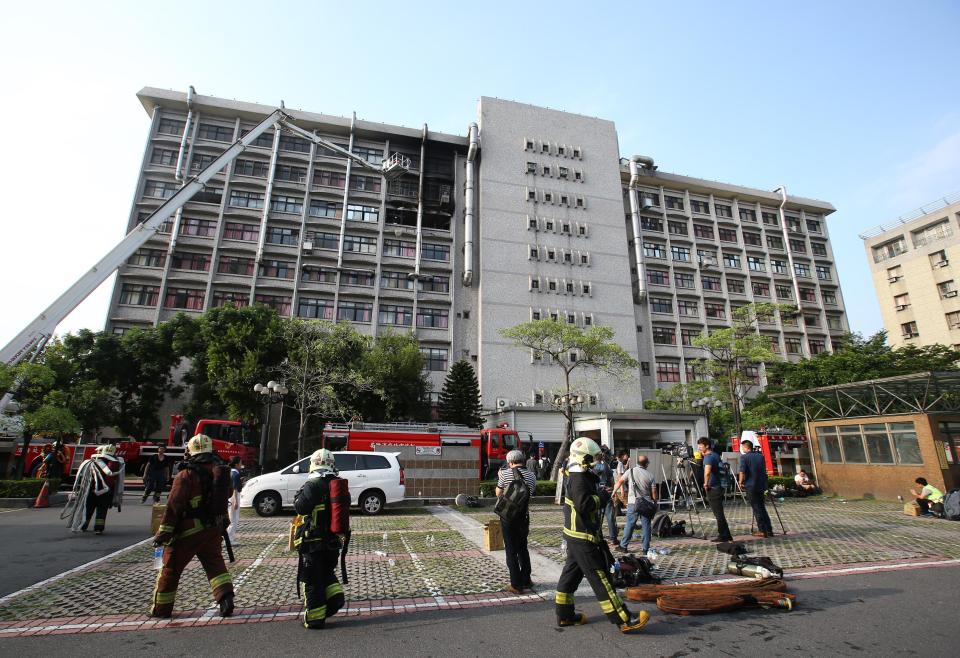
(41,545)
(867,615)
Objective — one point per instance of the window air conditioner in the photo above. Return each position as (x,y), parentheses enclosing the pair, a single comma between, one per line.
(910,335)
(308,245)
(943,263)
(893,279)
(950,293)
(900,307)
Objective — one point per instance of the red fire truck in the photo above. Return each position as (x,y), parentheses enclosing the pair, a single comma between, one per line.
(770,442)
(492,443)
(230,438)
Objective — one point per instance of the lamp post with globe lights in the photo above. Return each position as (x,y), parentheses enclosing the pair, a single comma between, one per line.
(705,405)
(270,393)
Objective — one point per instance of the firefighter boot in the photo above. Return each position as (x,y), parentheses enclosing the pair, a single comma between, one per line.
(226,605)
(636,622)
(579,619)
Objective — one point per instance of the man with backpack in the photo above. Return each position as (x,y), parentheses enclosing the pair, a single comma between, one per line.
(515,486)
(605,473)
(640,485)
(192,525)
(319,538)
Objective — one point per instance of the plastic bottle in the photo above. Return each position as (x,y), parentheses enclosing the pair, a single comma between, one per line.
(563,548)
(158,558)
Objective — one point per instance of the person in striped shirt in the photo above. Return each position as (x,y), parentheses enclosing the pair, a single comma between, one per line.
(515,532)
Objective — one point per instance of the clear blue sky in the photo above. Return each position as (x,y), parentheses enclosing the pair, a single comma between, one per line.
(852,102)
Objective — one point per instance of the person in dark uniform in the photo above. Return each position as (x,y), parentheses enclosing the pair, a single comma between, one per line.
(156,474)
(586,557)
(753,479)
(711,484)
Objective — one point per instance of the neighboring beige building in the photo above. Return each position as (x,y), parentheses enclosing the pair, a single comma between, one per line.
(916,271)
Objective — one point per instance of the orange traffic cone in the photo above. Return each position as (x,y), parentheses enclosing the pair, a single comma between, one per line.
(43,499)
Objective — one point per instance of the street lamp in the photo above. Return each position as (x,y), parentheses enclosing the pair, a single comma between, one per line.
(566,402)
(706,404)
(270,394)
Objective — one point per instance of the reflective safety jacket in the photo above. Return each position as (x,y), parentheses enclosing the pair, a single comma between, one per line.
(582,506)
(198,497)
(312,504)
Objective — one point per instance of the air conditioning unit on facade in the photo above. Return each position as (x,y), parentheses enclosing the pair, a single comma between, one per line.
(900,307)
(911,335)
(308,245)
(943,263)
(893,279)
(950,293)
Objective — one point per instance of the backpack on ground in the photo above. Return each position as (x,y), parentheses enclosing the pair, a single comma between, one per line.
(513,502)
(661,526)
(951,505)
(634,571)
(678,529)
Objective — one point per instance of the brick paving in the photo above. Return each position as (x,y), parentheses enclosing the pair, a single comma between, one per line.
(410,560)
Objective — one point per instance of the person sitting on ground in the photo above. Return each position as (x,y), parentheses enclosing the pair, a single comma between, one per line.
(804,483)
(929,498)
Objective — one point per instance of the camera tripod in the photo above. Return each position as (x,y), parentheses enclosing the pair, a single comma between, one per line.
(683,486)
(743,496)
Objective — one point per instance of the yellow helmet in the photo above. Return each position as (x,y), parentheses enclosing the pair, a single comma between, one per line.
(199,443)
(584,451)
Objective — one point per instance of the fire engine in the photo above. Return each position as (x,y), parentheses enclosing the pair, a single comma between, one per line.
(492,443)
(230,438)
(770,441)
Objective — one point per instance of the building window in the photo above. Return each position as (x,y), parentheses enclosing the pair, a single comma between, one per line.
(731,261)
(811,320)
(834,322)
(244,199)
(651,224)
(774,242)
(400,248)
(784,292)
(823,272)
(369,184)
(700,207)
(358,213)
(802,269)
(215,132)
(435,358)
(401,316)
(816,345)
(253,168)
(664,336)
(774,344)
(909,330)
(748,215)
(813,226)
(711,283)
(320,208)
(953,320)
(715,311)
(372,155)
(279,303)
(890,249)
(688,308)
(201,161)
(148,258)
(727,234)
(793,224)
(139,295)
(355,311)
(932,233)
(291,174)
(760,288)
(435,318)
(736,286)
(235,299)
(668,371)
(701,231)
(264,140)
(723,211)
(434,283)
(439,252)
(159,189)
(277,269)
(674,202)
(186,298)
(681,254)
(687,336)
(677,228)
(684,280)
(818,248)
(778,266)
(170,127)
(190,261)
(947,289)
(808,295)
(770,218)
(798,246)
(752,373)
(654,250)
(651,198)
(294,145)
(752,239)
(315,309)
(359,244)
(939,259)
(329,241)
(645,368)
(661,305)
(314,274)
(395,280)
(792,345)
(164,157)
(235,265)
(875,443)
(202,228)
(658,277)
(287,204)
(284,236)
(829,297)
(756,264)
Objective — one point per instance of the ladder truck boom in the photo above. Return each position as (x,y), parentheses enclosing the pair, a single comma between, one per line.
(30,341)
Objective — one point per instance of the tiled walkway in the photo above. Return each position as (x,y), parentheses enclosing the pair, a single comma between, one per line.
(412,560)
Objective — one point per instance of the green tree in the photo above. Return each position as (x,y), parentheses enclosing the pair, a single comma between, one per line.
(322,370)
(733,351)
(51,420)
(460,397)
(572,350)
(395,366)
(31,382)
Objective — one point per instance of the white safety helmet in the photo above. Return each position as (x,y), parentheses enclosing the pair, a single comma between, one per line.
(584,452)
(199,443)
(107,449)
(322,460)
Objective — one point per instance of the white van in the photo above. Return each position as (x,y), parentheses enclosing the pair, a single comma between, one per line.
(375,479)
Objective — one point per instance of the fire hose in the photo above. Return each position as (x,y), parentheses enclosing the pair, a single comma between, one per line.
(709,598)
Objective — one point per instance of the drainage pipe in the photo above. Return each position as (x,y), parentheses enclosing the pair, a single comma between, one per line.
(805,347)
(635,206)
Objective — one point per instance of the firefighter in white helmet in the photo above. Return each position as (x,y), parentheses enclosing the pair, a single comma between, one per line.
(97,487)
(318,546)
(586,551)
(192,525)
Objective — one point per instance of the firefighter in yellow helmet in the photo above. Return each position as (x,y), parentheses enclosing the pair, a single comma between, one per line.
(192,525)
(318,547)
(586,554)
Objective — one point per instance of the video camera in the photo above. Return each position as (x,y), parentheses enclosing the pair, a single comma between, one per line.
(678,450)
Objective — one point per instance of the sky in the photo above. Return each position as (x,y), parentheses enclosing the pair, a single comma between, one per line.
(854,103)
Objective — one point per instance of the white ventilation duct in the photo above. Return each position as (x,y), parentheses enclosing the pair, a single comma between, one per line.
(468,207)
(635,206)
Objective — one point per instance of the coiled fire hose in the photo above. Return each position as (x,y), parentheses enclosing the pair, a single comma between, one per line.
(709,598)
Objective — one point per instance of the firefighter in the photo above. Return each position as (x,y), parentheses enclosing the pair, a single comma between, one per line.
(193,524)
(97,487)
(319,548)
(586,554)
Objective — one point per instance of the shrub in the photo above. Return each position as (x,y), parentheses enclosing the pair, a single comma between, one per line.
(543,488)
(28,488)
(787,481)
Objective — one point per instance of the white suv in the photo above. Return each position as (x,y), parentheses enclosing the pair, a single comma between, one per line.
(375,479)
